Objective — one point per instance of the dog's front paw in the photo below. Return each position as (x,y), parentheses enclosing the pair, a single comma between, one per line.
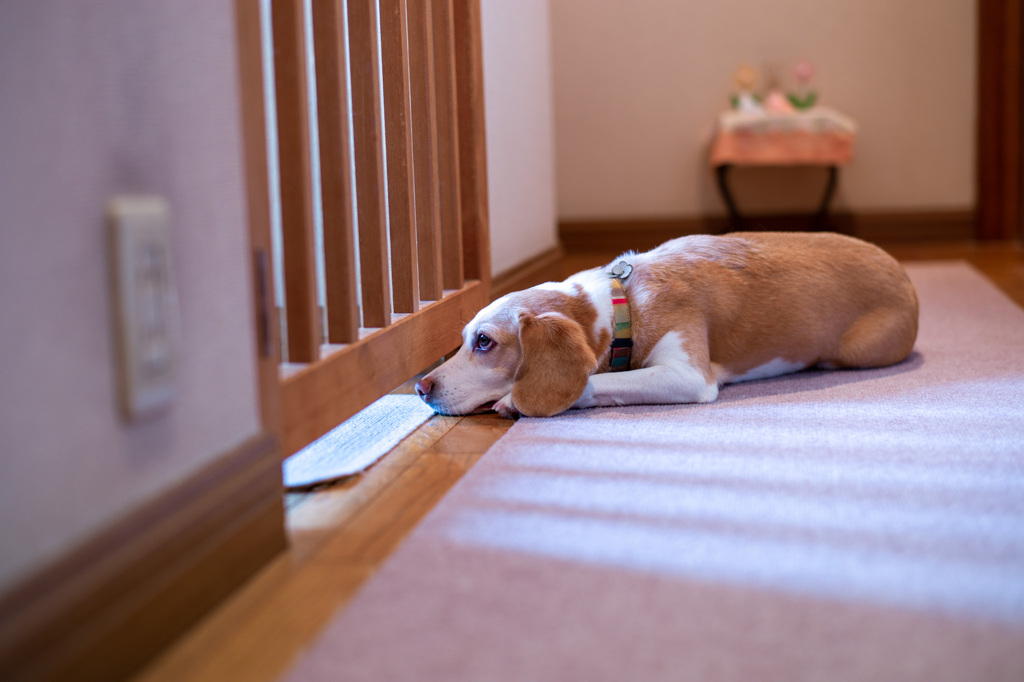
(505,408)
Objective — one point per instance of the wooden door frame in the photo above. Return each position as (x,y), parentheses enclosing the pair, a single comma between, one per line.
(1000,120)
(257,183)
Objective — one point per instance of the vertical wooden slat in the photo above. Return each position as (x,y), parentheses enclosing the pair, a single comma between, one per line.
(447,144)
(397,122)
(335,169)
(301,310)
(254,131)
(424,139)
(472,141)
(369,162)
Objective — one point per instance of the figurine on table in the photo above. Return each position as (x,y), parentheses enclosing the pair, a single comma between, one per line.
(744,100)
(776,101)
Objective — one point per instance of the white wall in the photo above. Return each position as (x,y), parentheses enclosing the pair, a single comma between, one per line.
(520,129)
(99,98)
(638,85)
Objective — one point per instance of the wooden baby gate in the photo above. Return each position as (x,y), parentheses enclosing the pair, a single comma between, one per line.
(404,253)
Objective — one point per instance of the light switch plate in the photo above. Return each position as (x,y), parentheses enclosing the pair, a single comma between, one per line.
(145,301)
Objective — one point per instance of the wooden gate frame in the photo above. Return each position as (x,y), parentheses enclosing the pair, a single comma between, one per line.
(437,200)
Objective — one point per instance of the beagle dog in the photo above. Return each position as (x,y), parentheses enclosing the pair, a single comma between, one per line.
(681,320)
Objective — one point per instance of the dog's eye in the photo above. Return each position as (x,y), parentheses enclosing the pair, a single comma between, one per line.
(483,342)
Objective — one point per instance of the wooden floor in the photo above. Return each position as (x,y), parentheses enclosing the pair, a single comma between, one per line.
(341,534)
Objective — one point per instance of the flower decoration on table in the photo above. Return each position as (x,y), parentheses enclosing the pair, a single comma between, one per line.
(775,98)
(771,108)
(772,123)
(804,97)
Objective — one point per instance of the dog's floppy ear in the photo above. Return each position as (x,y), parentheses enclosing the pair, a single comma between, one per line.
(555,364)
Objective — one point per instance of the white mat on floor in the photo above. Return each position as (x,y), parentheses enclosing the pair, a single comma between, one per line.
(357,442)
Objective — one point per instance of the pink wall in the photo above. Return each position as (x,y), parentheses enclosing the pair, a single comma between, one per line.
(97,98)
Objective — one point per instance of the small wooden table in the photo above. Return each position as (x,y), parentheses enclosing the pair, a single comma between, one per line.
(818,137)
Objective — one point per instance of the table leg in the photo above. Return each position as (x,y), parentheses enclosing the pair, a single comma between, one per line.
(821,217)
(721,173)
(736,220)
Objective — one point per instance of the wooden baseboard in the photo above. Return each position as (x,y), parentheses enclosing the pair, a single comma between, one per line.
(921,226)
(642,234)
(104,609)
(546,267)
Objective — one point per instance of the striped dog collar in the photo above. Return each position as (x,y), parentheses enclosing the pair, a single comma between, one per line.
(622,342)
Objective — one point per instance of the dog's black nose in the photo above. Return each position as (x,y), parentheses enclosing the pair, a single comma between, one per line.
(423,387)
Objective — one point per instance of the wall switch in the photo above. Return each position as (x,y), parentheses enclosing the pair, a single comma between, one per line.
(145,301)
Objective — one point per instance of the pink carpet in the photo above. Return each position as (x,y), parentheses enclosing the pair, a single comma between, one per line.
(851,525)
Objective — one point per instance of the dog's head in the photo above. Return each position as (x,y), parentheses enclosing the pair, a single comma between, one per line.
(538,345)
